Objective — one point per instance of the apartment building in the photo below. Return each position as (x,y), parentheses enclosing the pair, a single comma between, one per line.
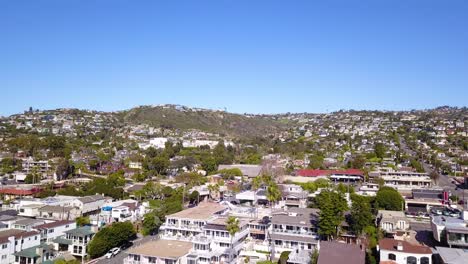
(216,245)
(450,231)
(294,229)
(40,166)
(189,223)
(160,252)
(15,240)
(54,230)
(403,180)
(78,239)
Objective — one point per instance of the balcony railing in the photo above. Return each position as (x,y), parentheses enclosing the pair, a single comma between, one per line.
(295,232)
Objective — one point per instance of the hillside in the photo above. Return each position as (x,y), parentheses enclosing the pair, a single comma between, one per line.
(181,117)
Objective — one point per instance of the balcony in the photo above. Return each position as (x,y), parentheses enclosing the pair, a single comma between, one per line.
(302,233)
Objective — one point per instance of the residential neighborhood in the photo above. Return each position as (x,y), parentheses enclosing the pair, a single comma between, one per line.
(89,187)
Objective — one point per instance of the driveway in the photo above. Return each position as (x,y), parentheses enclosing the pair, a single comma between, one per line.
(119,259)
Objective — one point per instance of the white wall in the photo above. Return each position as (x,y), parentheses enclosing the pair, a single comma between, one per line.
(401,257)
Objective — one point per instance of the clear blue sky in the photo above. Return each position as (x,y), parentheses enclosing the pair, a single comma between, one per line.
(246,55)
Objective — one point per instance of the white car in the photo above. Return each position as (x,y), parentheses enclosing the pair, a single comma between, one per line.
(112,253)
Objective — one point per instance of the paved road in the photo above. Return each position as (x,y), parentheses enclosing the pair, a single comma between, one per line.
(444,181)
(119,259)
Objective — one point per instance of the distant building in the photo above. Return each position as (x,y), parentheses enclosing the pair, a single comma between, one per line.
(250,171)
(402,180)
(334,175)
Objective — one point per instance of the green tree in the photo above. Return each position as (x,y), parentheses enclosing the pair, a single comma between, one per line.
(160,164)
(273,193)
(194,197)
(64,169)
(209,164)
(82,221)
(358,162)
(388,198)
(361,214)
(379,150)
(332,206)
(232,226)
(151,223)
(316,161)
(109,237)
(284,257)
(314,257)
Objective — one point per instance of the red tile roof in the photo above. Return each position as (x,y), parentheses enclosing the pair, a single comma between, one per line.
(17,233)
(54,224)
(14,191)
(317,173)
(391,245)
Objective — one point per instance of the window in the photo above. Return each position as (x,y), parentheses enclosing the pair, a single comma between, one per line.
(152,260)
(4,246)
(411,260)
(4,256)
(424,260)
(391,256)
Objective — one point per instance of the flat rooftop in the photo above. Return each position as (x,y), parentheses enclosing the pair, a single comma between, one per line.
(203,211)
(167,249)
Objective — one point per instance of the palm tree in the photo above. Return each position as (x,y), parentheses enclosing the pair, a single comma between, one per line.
(273,194)
(232,226)
(256,183)
(212,189)
(434,176)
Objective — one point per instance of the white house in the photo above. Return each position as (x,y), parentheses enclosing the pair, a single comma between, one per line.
(53,230)
(403,252)
(89,204)
(14,240)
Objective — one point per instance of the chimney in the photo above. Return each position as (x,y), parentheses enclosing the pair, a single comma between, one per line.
(400,246)
(94,228)
(40,252)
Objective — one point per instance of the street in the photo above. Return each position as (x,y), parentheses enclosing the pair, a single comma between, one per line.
(119,259)
(444,181)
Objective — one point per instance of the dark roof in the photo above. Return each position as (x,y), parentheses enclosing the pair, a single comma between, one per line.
(295,238)
(391,245)
(81,231)
(215,227)
(31,252)
(55,209)
(29,221)
(55,224)
(91,198)
(296,216)
(334,252)
(9,212)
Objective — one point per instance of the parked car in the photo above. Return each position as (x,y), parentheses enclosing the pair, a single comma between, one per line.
(112,253)
(436,211)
